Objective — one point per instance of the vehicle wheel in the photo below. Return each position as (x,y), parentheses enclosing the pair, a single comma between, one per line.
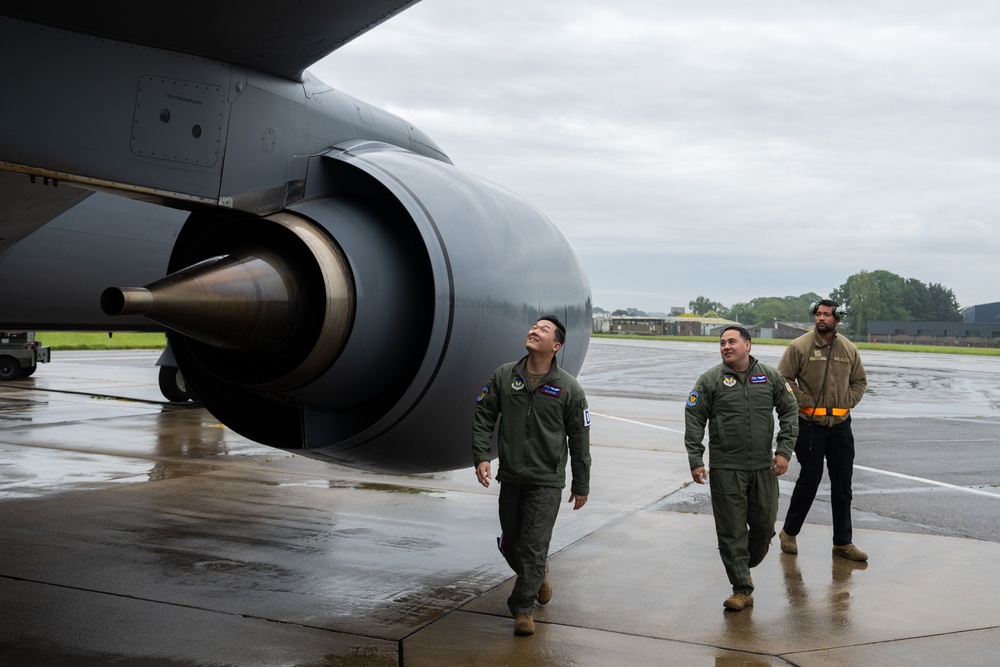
(10,369)
(173,386)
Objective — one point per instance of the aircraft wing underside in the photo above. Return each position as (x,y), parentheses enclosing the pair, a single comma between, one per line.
(278,37)
(25,207)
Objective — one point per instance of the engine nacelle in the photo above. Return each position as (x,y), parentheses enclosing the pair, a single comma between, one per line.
(373,309)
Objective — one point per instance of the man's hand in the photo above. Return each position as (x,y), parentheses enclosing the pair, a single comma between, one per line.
(779,466)
(483,473)
(699,475)
(578,501)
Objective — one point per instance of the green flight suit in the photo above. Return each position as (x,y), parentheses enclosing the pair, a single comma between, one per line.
(739,410)
(541,428)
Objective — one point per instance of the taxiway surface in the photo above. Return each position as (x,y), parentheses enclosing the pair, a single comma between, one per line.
(144,533)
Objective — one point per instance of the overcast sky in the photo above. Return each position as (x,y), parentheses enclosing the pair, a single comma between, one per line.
(722,149)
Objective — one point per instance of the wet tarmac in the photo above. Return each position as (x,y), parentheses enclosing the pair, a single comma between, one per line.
(133,531)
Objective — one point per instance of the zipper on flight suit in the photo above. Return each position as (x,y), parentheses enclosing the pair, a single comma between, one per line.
(748,416)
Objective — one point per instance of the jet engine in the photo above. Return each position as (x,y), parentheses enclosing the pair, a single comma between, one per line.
(359,324)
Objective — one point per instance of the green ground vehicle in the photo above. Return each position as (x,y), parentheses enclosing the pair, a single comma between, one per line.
(20,354)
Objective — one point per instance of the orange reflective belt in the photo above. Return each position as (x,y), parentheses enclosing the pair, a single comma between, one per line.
(823,412)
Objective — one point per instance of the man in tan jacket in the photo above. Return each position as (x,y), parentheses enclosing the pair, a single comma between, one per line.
(826,375)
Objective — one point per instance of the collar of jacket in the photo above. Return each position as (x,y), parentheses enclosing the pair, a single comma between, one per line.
(819,342)
(728,369)
(521,368)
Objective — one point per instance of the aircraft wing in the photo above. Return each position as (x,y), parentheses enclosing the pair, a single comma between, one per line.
(277,37)
(24,207)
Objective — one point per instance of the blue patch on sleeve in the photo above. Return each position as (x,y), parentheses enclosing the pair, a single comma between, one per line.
(483,393)
(693,398)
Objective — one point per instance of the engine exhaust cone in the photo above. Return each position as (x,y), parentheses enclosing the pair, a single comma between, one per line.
(228,302)
(282,305)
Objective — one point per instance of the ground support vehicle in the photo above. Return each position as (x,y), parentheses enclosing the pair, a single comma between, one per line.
(20,354)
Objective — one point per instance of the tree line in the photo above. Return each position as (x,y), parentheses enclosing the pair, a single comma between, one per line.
(868,295)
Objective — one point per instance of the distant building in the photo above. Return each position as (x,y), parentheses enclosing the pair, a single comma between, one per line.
(601,324)
(642,326)
(660,326)
(964,334)
(980,328)
(984,313)
(700,326)
(781,330)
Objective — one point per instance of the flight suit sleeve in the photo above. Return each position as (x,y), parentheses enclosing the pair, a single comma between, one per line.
(578,432)
(787,408)
(487,411)
(696,415)
(788,367)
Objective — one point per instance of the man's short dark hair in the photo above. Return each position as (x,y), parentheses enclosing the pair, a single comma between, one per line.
(560,327)
(744,334)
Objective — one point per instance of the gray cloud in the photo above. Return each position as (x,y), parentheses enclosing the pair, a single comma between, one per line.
(725,149)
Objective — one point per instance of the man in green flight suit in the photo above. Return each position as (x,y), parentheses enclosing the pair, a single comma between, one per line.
(738,399)
(545,421)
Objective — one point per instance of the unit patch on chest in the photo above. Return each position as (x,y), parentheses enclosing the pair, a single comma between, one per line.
(729,380)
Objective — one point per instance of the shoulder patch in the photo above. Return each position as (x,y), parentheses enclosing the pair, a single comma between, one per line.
(788,388)
(693,398)
(586,417)
(483,393)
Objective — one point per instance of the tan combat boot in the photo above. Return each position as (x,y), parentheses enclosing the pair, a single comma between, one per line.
(524,624)
(788,544)
(738,601)
(545,590)
(850,552)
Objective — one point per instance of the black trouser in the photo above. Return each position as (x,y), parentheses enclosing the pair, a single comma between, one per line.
(836,443)
(527,515)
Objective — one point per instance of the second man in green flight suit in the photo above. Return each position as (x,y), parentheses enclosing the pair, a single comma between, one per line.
(738,399)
